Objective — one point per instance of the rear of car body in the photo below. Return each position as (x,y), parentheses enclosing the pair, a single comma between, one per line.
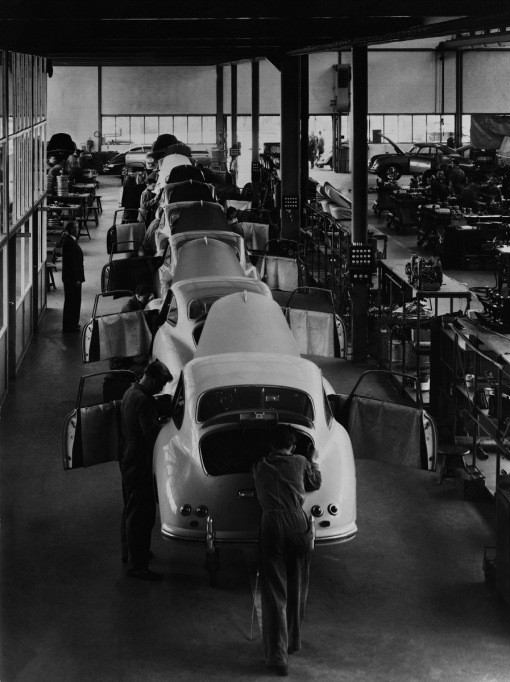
(247,375)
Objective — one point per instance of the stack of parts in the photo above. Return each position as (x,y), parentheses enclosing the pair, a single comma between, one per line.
(62,185)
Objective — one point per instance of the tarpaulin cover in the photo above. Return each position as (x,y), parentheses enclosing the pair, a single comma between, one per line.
(488,130)
(256,235)
(123,335)
(385,431)
(280,273)
(100,433)
(313,331)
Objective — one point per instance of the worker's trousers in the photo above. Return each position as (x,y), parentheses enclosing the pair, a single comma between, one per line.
(284,573)
(138,518)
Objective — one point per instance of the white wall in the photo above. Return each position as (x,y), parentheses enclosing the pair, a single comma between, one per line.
(408,83)
(172,90)
(269,80)
(486,82)
(321,78)
(72,102)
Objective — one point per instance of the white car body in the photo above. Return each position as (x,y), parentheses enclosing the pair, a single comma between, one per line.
(166,272)
(202,466)
(206,271)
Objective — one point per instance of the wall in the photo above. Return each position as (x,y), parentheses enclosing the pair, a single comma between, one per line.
(72,102)
(486,82)
(402,82)
(169,90)
(269,78)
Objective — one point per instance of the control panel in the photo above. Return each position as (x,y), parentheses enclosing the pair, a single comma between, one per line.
(361,263)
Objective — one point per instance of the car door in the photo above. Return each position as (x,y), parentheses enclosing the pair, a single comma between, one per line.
(420,159)
(385,431)
(91,431)
(111,333)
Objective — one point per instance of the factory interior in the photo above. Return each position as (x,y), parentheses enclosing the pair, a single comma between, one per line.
(351,163)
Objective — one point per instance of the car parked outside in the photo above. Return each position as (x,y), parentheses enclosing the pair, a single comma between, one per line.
(416,161)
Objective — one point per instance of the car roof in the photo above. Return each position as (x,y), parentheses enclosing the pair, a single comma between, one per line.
(203,287)
(207,258)
(258,369)
(246,323)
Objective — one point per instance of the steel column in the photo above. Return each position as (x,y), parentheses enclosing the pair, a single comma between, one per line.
(255,112)
(305,112)
(359,292)
(290,145)
(459,97)
(220,122)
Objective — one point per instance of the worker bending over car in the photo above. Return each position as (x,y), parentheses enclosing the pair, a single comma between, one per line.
(285,546)
(140,426)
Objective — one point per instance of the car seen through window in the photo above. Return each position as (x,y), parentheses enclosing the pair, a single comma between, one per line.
(257,398)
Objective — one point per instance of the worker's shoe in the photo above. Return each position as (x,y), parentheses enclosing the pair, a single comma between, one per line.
(144,574)
(150,556)
(280,669)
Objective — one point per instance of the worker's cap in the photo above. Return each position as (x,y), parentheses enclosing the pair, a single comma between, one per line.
(157,370)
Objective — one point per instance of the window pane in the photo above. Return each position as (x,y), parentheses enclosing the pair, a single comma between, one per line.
(27,269)
(151,129)
(209,129)
(375,123)
(448,126)
(122,131)
(434,129)
(137,132)
(419,128)
(391,127)
(181,128)
(194,129)
(166,125)
(108,123)
(466,129)
(405,129)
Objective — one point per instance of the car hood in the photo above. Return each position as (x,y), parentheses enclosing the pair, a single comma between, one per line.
(395,146)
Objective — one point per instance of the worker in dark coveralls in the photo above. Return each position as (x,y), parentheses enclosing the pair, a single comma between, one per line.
(72,277)
(140,426)
(281,480)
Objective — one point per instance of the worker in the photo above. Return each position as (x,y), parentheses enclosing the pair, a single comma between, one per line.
(149,201)
(281,479)
(233,223)
(140,426)
(457,178)
(143,294)
(73,277)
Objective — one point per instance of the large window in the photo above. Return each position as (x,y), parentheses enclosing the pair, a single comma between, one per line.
(122,132)
(409,128)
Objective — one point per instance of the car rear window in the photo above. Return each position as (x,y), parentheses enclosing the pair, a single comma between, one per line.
(263,398)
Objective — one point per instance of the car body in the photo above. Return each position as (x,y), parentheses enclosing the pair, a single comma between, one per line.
(247,375)
(115,165)
(206,271)
(165,274)
(137,155)
(486,160)
(201,155)
(325,159)
(416,161)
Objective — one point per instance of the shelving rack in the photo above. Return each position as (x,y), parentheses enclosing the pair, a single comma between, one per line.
(395,293)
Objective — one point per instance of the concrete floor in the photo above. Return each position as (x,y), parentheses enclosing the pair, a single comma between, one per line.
(405,601)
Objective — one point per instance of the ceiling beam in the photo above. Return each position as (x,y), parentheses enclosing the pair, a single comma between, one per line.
(191,9)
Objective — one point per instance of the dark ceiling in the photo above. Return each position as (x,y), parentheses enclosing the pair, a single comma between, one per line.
(206,32)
